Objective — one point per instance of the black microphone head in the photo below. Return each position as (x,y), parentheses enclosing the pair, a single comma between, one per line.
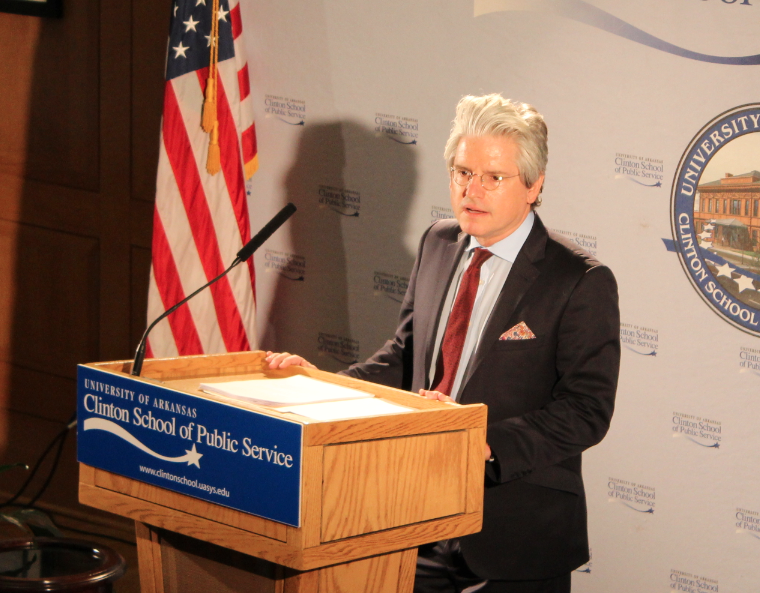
(264,234)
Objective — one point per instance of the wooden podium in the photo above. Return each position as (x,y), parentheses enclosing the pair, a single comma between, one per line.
(372,490)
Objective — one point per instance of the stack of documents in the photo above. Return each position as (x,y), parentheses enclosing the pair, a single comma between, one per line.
(306,397)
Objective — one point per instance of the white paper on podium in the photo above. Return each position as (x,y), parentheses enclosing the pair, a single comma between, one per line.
(343,410)
(291,391)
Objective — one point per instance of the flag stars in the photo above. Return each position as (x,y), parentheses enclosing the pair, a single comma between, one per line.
(190,25)
(176,7)
(223,14)
(199,2)
(180,49)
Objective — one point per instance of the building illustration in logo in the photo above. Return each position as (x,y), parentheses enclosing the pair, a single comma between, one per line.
(727,216)
(716,215)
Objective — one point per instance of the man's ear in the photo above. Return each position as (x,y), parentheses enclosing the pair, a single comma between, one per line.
(535,189)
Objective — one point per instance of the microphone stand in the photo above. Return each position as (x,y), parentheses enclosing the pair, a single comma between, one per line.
(242,255)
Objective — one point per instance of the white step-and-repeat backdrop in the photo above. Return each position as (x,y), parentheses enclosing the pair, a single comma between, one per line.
(654,167)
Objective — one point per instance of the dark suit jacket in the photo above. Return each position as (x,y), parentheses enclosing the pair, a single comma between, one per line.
(548,398)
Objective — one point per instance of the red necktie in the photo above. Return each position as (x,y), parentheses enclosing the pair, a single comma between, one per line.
(459,322)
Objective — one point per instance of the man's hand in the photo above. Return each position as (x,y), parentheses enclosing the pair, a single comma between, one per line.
(283,360)
(442,397)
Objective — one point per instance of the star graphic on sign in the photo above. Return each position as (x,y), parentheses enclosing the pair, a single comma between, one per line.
(724,270)
(190,24)
(709,227)
(704,235)
(193,457)
(180,49)
(705,244)
(223,14)
(744,283)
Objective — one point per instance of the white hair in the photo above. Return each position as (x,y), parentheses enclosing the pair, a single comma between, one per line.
(493,115)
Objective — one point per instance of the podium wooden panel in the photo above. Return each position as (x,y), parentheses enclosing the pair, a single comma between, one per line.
(373,489)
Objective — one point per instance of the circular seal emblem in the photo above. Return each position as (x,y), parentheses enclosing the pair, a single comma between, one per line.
(715,215)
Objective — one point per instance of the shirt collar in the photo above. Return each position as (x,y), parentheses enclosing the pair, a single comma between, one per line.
(509,246)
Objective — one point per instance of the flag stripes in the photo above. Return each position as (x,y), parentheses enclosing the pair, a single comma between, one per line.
(201,221)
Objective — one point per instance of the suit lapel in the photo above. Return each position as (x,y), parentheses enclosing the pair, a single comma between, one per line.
(449,261)
(521,277)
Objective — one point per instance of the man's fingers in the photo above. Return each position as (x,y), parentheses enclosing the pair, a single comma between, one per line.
(283,360)
(435,395)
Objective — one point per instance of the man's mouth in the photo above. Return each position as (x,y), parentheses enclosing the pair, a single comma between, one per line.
(474,211)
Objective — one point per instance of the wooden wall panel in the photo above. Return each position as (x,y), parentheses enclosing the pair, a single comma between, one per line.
(18,38)
(81,105)
(140,270)
(63,140)
(56,315)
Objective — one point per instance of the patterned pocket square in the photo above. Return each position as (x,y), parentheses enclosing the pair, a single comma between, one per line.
(518,332)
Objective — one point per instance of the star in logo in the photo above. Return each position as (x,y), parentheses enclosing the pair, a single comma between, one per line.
(704,235)
(180,49)
(190,25)
(745,282)
(193,457)
(724,270)
(705,244)
(709,227)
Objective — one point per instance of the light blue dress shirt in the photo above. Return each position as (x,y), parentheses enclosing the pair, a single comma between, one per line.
(493,274)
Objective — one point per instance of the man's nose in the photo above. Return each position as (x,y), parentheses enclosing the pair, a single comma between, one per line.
(475,187)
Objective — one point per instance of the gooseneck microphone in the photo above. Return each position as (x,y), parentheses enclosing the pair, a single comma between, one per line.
(246,252)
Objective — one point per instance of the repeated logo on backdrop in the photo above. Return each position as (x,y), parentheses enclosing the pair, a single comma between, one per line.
(692,583)
(286,110)
(715,215)
(749,360)
(346,202)
(639,339)
(288,265)
(645,171)
(404,130)
(747,522)
(440,213)
(586,242)
(636,497)
(340,348)
(392,286)
(700,431)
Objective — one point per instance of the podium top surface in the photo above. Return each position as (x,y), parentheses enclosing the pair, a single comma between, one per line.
(186,374)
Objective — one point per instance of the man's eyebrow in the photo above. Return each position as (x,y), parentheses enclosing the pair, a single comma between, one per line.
(495,173)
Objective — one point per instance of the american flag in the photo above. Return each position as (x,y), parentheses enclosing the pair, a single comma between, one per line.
(201,220)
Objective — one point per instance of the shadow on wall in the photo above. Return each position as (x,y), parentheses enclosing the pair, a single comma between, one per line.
(353,190)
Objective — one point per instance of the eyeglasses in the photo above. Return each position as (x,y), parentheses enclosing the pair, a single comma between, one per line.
(489,181)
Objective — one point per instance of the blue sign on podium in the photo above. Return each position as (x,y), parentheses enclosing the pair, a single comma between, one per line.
(203,448)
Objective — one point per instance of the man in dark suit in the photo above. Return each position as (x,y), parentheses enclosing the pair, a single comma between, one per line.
(502,312)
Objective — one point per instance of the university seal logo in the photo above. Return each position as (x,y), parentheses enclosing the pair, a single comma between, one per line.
(715,215)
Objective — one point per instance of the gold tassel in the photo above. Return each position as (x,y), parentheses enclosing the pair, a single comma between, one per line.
(209,105)
(214,161)
(209,121)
